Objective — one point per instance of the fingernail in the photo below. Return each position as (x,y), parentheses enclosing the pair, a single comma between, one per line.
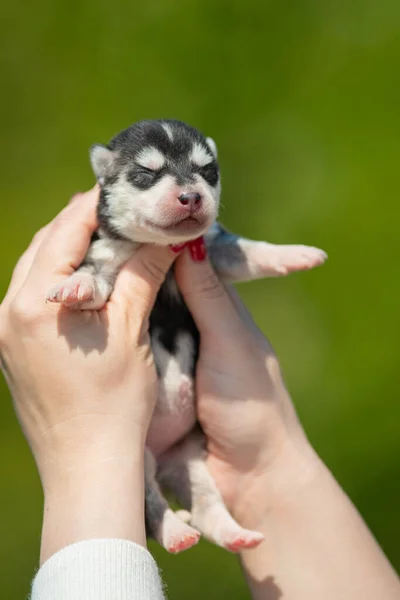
(177,247)
(197,249)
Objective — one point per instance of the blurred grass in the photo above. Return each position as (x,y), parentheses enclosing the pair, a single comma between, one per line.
(302,97)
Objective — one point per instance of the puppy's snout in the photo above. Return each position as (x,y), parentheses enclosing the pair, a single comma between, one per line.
(191,201)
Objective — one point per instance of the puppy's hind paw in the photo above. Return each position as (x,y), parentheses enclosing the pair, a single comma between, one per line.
(184,542)
(242,540)
(176,535)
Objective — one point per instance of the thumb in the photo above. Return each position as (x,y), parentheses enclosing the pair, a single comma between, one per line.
(206,297)
(141,277)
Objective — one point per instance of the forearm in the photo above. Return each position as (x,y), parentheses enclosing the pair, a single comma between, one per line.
(99,498)
(316,544)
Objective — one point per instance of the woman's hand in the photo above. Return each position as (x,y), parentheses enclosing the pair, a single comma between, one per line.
(316,545)
(83,382)
(243,406)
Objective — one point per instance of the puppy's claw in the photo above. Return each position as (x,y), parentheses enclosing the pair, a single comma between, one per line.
(75,290)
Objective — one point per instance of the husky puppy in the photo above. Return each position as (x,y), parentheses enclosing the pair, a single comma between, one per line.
(160,184)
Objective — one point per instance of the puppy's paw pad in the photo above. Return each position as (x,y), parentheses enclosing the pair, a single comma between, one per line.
(243,540)
(77,289)
(176,535)
(184,542)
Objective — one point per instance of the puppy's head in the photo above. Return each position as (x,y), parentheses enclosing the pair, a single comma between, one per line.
(159,182)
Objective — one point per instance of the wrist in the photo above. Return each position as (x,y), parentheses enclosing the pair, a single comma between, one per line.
(265,489)
(100,498)
(87,443)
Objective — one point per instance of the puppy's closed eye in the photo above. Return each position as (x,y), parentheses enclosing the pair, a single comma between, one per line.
(143,177)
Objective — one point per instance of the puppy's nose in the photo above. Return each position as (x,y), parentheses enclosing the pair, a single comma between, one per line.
(191,201)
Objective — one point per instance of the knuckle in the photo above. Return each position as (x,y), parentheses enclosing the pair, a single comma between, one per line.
(61,218)
(209,286)
(152,270)
(59,224)
(64,215)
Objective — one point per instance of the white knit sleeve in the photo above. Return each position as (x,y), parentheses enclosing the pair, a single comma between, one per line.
(99,570)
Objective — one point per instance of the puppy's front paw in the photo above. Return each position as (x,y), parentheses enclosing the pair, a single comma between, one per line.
(282,260)
(75,292)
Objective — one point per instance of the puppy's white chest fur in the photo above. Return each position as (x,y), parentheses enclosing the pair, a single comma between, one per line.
(174,415)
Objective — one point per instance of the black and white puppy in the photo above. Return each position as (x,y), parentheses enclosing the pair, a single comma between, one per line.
(160,184)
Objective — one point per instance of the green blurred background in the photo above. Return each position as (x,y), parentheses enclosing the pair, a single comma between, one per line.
(303,99)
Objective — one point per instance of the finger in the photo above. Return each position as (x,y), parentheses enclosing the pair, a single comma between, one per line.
(140,279)
(246,316)
(206,297)
(67,240)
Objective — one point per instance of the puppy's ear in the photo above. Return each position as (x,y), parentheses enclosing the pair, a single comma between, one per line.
(212,145)
(102,161)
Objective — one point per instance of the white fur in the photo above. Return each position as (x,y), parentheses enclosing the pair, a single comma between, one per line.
(261,259)
(142,214)
(185,468)
(175,412)
(110,254)
(168,131)
(93,282)
(169,528)
(213,146)
(174,369)
(151,158)
(200,156)
(173,289)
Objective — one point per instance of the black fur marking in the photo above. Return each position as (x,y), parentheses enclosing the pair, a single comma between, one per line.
(151,133)
(128,144)
(95,237)
(103,217)
(223,250)
(170,317)
(111,179)
(210,173)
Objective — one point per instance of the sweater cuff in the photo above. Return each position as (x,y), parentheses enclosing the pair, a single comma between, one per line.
(106,569)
